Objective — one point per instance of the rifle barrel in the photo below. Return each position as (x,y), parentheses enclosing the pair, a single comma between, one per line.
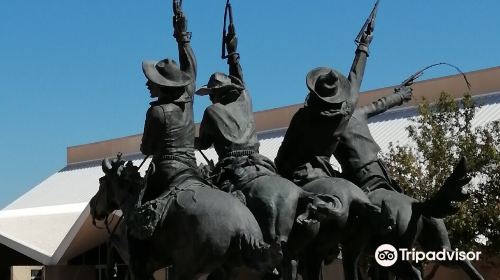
(224,32)
(230,8)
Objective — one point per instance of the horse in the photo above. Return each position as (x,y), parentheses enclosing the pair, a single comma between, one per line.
(413,225)
(313,245)
(403,222)
(279,205)
(420,222)
(202,230)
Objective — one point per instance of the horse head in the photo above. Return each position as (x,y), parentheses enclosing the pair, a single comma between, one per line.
(121,181)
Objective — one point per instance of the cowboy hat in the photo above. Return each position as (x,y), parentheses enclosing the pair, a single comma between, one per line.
(220,81)
(328,85)
(166,73)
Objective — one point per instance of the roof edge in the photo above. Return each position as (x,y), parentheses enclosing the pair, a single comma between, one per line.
(37,254)
(63,246)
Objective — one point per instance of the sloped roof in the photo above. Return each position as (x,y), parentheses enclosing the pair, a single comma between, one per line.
(45,222)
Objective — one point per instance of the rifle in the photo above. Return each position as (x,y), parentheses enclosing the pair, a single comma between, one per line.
(177,4)
(369,24)
(410,80)
(210,162)
(230,29)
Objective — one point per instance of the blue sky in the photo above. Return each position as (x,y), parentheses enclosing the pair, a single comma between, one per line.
(70,70)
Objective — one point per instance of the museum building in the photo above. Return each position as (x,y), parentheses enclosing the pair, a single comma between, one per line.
(47,233)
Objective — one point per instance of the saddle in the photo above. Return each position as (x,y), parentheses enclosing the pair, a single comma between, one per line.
(234,172)
(146,217)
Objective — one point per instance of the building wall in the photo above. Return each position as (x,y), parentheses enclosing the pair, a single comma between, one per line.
(65,272)
(9,258)
(23,272)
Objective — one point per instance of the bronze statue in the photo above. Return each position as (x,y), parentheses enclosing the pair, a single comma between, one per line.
(357,151)
(202,229)
(175,216)
(314,131)
(411,221)
(228,124)
(169,127)
(304,157)
(402,220)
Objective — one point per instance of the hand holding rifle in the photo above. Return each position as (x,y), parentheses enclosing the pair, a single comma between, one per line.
(229,39)
(406,92)
(365,35)
(180,23)
(405,87)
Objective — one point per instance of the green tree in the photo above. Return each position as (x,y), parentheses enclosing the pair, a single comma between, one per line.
(441,133)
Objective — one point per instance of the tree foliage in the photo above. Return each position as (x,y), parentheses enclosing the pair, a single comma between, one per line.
(442,133)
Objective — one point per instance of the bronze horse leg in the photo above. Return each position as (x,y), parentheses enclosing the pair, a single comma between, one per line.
(434,237)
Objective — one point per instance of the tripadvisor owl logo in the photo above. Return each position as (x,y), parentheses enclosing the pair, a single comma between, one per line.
(386,255)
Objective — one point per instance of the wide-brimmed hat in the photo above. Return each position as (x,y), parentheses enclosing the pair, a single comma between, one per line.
(166,73)
(220,81)
(328,85)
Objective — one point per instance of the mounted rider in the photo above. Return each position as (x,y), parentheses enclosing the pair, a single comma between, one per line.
(229,126)
(169,128)
(314,131)
(357,151)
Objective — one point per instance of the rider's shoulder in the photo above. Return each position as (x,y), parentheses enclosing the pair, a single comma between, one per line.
(154,109)
(214,109)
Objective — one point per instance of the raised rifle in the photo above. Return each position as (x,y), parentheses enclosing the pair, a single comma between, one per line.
(369,24)
(177,4)
(228,12)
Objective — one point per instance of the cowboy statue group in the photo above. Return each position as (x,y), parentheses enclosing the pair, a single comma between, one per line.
(280,219)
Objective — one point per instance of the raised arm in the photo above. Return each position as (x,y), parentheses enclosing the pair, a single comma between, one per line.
(187,58)
(231,42)
(357,71)
(363,40)
(387,102)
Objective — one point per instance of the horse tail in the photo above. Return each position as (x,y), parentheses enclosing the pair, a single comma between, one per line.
(442,202)
(255,252)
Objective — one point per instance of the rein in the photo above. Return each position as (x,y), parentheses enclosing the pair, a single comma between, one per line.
(112,232)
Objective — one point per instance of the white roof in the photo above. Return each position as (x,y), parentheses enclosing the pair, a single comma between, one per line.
(42,223)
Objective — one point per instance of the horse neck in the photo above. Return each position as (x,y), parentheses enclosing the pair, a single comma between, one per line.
(130,198)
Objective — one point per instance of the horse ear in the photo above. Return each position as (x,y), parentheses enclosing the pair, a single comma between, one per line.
(153,168)
(106,166)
